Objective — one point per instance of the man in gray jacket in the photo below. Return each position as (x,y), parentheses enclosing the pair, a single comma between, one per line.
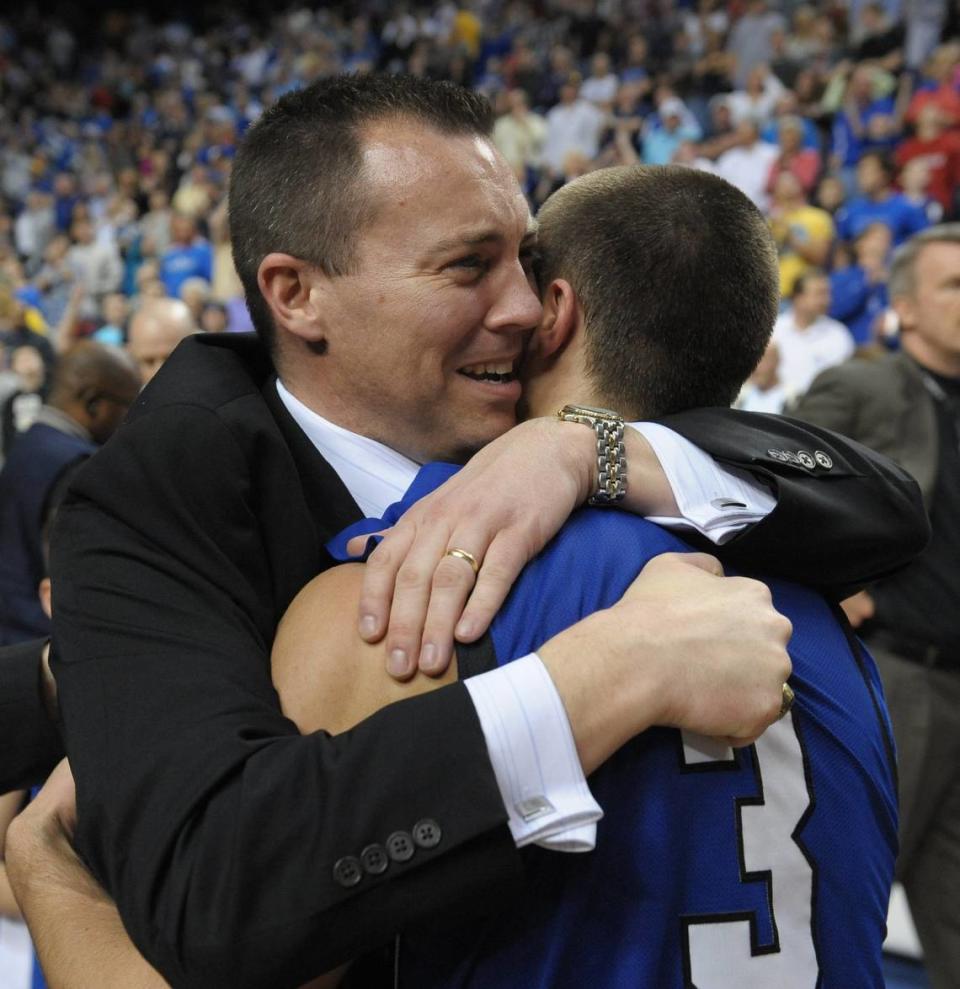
(907,405)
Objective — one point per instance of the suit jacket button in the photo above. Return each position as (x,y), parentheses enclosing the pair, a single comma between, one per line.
(400,846)
(347,871)
(823,459)
(374,859)
(427,833)
(806,460)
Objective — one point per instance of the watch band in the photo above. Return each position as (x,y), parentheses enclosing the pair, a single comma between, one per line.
(611,456)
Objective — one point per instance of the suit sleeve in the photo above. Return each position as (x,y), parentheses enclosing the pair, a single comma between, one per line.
(845,515)
(215,825)
(30,745)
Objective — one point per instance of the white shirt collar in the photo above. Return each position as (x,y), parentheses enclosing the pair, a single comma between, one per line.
(375,475)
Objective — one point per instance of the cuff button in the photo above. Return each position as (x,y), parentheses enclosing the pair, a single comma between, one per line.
(400,846)
(427,833)
(347,871)
(374,859)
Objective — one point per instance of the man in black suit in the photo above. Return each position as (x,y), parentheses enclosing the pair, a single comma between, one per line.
(239,852)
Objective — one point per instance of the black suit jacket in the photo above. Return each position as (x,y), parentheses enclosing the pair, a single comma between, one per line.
(214,824)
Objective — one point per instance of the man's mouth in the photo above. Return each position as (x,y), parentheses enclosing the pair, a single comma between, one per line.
(495,371)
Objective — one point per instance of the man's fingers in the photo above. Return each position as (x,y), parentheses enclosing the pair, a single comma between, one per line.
(411,597)
(701,560)
(453,580)
(379,579)
(500,568)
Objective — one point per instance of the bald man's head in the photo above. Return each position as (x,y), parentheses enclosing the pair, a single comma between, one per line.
(95,385)
(155,330)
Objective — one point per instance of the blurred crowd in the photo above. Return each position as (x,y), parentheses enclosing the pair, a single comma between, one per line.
(840,120)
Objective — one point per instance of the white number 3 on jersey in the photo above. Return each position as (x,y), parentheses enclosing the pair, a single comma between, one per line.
(722,950)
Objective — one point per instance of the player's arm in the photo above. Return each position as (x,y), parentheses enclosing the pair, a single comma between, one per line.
(673,684)
(75,927)
(868,510)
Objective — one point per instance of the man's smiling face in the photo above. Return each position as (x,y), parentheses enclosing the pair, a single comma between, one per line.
(426,333)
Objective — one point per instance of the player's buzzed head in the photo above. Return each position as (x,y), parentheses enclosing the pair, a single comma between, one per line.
(676,272)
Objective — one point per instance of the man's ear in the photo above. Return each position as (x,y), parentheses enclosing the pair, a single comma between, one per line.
(902,305)
(561,317)
(292,289)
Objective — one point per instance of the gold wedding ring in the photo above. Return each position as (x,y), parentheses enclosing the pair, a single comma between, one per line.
(462,554)
(787,699)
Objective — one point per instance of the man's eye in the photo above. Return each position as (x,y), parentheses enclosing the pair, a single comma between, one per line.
(472,262)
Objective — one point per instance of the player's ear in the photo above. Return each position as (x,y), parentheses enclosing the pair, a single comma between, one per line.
(293,289)
(561,317)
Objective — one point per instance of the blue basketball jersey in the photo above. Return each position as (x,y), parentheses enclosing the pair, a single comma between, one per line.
(767,867)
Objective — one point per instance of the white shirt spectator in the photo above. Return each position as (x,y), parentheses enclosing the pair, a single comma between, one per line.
(748,168)
(572,127)
(600,90)
(520,139)
(805,352)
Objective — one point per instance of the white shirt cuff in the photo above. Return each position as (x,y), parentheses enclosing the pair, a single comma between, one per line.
(716,501)
(534,757)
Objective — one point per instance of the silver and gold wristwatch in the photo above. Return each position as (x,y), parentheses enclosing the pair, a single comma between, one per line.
(611,458)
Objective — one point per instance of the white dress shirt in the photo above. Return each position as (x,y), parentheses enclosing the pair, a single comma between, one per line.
(531,745)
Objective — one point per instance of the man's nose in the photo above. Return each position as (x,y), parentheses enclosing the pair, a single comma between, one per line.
(517,308)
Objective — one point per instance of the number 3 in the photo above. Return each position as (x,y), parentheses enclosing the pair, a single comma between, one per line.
(722,951)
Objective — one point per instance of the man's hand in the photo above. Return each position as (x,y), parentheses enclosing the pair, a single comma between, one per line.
(684,647)
(502,508)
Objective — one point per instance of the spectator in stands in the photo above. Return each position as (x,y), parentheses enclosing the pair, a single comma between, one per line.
(21,408)
(804,233)
(751,38)
(802,162)
(914,183)
(807,339)
(757,99)
(939,146)
(877,202)
(864,119)
(574,124)
(665,130)
(600,87)
(195,292)
(96,265)
(859,291)
(55,279)
(115,312)
(519,134)
(189,255)
(34,228)
(14,331)
(214,318)
(763,390)
(155,330)
(747,165)
(92,388)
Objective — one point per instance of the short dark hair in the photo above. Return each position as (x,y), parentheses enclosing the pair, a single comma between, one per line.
(296,184)
(677,275)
